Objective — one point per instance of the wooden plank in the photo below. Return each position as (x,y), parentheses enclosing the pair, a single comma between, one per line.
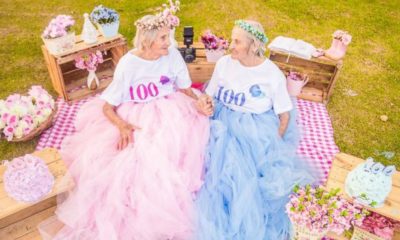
(314,62)
(35,235)
(343,164)
(80,45)
(78,77)
(28,211)
(55,76)
(103,47)
(201,72)
(27,225)
(334,79)
(82,93)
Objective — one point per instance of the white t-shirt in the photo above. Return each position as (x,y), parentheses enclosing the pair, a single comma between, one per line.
(140,80)
(249,89)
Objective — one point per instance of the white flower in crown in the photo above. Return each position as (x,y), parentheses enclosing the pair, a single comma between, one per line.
(155,24)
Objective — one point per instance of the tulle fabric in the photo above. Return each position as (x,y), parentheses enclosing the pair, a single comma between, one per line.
(250,171)
(144,192)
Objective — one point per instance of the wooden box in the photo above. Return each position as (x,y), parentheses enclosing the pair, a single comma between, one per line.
(200,70)
(322,73)
(69,81)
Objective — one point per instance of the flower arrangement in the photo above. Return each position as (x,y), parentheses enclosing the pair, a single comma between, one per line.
(58,27)
(19,115)
(169,13)
(296,76)
(27,178)
(89,61)
(212,42)
(343,36)
(104,15)
(320,211)
(379,225)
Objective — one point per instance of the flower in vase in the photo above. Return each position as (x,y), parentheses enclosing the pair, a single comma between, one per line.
(58,27)
(104,15)
(212,42)
(89,61)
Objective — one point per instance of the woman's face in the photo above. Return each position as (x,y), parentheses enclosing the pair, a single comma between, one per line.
(160,45)
(240,44)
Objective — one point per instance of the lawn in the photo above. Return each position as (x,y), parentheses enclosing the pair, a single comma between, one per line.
(371,67)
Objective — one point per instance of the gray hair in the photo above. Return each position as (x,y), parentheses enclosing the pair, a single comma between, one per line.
(260,52)
(144,38)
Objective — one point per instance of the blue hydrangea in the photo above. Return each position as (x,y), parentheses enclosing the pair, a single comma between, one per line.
(103,15)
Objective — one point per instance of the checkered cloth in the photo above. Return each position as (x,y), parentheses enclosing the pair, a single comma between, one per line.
(317,143)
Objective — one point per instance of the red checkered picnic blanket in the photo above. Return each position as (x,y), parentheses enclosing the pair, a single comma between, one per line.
(317,143)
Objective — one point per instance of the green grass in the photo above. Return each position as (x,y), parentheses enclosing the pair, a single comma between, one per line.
(371,67)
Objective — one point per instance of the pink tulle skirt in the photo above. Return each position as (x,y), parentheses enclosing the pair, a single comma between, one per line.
(143,192)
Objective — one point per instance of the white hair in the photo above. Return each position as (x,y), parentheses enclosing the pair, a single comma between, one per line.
(260,46)
(144,38)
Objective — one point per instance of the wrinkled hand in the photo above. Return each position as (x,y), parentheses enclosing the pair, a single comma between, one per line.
(205,105)
(126,135)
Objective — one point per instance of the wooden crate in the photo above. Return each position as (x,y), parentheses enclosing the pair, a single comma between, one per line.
(322,73)
(18,220)
(69,81)
(200,70)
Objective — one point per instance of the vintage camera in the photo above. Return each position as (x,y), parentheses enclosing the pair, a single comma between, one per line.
(188,53)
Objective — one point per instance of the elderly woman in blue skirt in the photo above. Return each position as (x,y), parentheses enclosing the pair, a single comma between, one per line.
(252,166)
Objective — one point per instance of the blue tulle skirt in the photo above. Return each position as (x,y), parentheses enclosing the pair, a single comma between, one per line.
(249,173)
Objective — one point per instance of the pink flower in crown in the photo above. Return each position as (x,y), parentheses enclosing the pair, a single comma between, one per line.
(173,20)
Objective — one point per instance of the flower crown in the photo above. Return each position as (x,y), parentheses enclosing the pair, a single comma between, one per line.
(154,24)
(250,29)
(164,18)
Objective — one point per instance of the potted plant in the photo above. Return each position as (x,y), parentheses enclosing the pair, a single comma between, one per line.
(90,62)
(58,35)
(314,211)
(24,117)
(107,20)
(215,46)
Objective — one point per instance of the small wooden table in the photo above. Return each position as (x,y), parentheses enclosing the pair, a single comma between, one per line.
(342,165)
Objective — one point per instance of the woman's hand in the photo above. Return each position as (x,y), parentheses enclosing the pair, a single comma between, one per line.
(283,123)
(126,134)
(125,128)
(205,105)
